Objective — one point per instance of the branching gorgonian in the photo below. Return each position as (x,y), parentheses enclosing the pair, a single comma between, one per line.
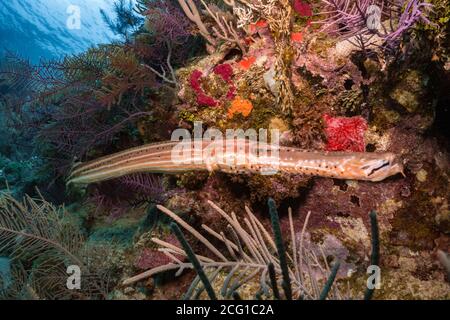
(38,242)
(251,256)
(361,20)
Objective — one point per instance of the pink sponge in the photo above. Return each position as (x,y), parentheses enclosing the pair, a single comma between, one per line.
(202,98)
(224,71)
(303,8)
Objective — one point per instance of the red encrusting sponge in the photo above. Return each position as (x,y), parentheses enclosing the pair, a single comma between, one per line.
(345,134)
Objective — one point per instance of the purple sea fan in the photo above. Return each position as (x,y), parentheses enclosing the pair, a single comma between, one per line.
(116,197)
(388,20)
(410,13)
(167,22)
(346,18)
(147,185)
(164,45)
(105,202)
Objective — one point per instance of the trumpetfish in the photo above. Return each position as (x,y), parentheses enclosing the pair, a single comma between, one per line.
(237,156)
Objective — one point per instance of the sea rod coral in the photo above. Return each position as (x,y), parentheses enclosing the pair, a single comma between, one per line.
(253,255)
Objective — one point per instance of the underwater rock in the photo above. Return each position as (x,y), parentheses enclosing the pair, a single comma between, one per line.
(329,72)
(442,217)
(280,186)
(421,175)
(121,231)
(152,258)
(297,37)
(330,247)
(308,128)
(329,198)
(277,123)
(414,278)
(371,102)
(409,91)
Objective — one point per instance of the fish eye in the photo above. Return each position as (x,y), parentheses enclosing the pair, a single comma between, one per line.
(385,163)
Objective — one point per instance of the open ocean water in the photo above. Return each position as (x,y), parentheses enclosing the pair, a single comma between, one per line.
(49,28)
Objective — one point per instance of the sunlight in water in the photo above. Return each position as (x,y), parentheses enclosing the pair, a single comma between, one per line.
(46,27)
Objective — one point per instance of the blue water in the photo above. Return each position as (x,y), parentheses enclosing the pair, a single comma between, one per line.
(39,28)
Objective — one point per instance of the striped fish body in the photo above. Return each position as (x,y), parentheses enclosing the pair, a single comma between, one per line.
(236,156)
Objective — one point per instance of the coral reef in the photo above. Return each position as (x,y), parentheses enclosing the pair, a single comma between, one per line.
(331,76)
(252,256)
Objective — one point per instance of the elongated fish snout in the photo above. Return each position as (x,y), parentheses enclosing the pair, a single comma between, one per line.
(386,166)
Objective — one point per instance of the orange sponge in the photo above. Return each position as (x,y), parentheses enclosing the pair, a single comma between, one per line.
(240,105)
